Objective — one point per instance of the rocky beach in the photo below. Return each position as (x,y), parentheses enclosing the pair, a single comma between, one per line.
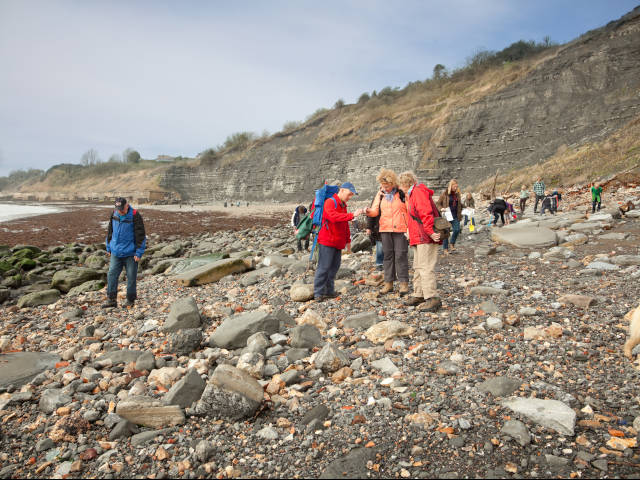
(226,367)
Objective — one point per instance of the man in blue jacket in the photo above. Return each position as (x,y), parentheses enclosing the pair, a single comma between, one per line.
(126,242)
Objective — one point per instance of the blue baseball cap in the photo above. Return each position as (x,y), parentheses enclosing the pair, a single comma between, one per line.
(349,186)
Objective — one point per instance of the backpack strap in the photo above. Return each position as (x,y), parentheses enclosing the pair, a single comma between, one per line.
(324,220)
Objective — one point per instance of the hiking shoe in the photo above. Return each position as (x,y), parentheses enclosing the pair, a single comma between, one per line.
(128,303)
(432,305)
(110,303)
(413,301)
(403,288)
(386,288)
(332,295)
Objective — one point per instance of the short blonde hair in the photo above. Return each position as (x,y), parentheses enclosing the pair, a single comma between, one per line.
(387,176)
(408,178)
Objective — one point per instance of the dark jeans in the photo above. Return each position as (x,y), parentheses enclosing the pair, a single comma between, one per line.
(396,256)
(538,199)
(329,259)
(496,214)
(379,253)
(115,267)
(523,204)
(455,230)
(595,202)
(306,243)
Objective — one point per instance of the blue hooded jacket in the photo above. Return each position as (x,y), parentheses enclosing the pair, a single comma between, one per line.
(126,236)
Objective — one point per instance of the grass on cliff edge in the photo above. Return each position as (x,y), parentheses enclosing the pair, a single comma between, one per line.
(581,165)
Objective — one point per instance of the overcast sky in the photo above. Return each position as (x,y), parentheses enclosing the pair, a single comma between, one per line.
(177,77)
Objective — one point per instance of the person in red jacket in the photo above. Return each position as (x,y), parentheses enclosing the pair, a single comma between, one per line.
(333,236)
(423,239)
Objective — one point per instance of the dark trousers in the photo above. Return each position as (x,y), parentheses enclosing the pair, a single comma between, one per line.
(523,204)
(396,256)
(496,214)
(115,268)
(538,199)
(306,243)
(329,259)
(549,204)
(595,202)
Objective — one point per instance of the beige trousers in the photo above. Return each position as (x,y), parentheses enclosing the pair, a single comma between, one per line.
(425,257)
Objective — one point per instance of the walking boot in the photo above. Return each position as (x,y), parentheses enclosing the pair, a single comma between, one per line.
(110,303)
(403,288)
(386,288)
(128,303)
(433,304)
(413,301)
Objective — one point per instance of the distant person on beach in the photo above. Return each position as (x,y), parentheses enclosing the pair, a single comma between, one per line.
(298,213)
(497,208)
(524,196)
(468,205)
(450,199)
(334,235)
(538,189)
(126,242)
(596,196)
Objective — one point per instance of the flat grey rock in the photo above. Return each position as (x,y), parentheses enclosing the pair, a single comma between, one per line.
(552,414)
(525,237)
(518,431)
(234,331)
(352,465)
(186,390)
(19,368)
(361,321)
(499,386)
(121,356)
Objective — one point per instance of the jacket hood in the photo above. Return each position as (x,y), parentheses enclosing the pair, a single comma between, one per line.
(422,186)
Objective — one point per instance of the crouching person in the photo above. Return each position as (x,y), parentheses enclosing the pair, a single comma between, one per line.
(126,242)
(424,240)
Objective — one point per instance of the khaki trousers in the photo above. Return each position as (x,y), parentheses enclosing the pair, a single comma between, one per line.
(425,257)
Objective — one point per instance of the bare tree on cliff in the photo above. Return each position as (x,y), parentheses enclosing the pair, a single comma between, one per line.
(90,157)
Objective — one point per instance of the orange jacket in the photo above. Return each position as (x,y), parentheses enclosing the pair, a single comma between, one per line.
(393,215)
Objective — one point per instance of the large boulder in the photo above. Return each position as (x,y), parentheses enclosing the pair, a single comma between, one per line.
(43,297)
(525,237)
(231,393)
(360,242)
(96,261)
(90,286)
(234,331)
(184,314)
(212,272)
(65,280)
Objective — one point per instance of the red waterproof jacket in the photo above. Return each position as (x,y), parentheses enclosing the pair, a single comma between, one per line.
(334,231)
(420,209)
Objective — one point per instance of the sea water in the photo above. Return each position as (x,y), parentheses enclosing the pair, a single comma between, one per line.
(11,211)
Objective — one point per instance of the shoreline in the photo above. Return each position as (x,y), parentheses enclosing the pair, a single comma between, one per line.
(87,223)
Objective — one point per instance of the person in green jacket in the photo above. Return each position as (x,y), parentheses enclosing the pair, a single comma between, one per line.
(596,196)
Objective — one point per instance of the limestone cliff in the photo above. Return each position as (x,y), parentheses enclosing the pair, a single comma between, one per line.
(578,93)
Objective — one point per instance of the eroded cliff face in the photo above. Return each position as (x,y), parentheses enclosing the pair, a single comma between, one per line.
(583,93)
